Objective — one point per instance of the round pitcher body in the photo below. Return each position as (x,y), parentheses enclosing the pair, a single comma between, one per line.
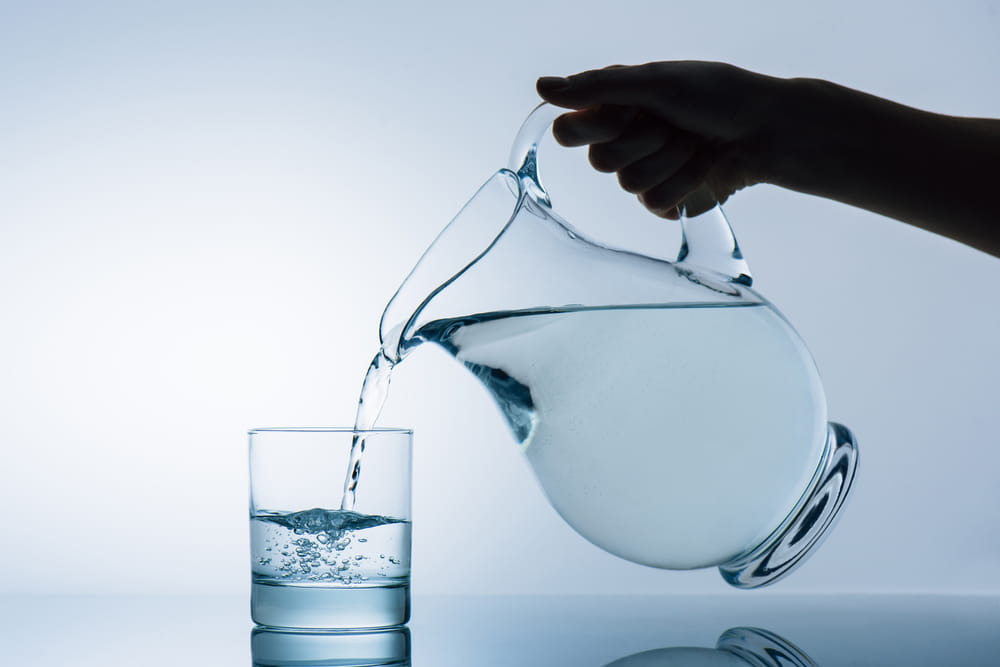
(676,437)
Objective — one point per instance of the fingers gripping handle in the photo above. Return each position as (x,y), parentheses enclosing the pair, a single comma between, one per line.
(707,240)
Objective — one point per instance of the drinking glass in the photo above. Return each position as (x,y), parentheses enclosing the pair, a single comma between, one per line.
(322,558)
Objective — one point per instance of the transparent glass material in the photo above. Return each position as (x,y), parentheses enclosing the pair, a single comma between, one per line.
(737,647)
(315,564)
(671,414)
(293,648)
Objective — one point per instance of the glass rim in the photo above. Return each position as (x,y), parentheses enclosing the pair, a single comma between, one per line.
(330,429)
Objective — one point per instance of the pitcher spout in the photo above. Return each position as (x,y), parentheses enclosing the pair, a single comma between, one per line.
(459,246)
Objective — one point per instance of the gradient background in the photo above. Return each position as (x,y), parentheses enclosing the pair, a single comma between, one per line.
(205,206)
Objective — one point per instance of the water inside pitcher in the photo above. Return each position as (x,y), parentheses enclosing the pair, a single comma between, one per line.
(671,414)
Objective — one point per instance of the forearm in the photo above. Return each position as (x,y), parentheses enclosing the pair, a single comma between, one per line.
(938,172)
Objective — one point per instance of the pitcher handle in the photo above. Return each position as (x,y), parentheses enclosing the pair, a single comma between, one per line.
(707,239)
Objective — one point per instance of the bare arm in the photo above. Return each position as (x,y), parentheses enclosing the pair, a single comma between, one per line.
(675,128)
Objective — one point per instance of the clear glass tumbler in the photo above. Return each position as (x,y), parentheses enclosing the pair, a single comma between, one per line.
(320,558)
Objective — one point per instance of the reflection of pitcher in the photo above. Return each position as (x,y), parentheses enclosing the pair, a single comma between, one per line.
(737,647)
(671,414)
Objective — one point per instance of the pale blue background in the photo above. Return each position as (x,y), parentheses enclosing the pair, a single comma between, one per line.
(205,206)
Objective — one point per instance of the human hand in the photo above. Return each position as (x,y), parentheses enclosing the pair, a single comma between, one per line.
(680,135)
(686,135)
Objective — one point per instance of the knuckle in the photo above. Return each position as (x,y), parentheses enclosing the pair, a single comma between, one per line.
(656,67)
(564,131)
(631,180)
(601,159)
(659,199)
(586,78)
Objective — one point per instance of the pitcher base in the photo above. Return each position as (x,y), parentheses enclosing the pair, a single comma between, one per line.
(809,523)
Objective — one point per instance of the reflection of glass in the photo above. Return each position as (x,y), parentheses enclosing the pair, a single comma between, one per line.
(737,647)
(316,564)
(297,648)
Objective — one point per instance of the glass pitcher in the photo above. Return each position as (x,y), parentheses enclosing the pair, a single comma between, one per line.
(671,414)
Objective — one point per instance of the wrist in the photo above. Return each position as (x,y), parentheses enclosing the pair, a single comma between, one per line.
(796,132)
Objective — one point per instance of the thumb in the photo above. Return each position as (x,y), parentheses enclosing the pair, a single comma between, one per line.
(625,86)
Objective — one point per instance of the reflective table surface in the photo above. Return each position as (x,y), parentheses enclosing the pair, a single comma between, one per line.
(734,630)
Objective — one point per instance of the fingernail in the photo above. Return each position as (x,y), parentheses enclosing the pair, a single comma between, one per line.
(553,83)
